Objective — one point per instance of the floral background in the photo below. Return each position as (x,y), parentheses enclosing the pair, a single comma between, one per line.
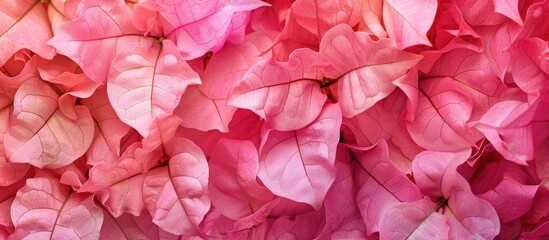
(280,119)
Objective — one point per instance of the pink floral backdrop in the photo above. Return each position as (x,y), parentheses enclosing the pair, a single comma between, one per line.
(279,119)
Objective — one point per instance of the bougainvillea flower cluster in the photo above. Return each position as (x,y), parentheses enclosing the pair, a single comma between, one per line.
(280,119)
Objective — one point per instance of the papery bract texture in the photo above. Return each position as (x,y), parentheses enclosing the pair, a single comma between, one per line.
(509,8)
(177,195)
(380,179)
(281,119)
(371,14)
(109,130)
(118,185)
(146,18)
(301,161)
(408,21)
(24,25)
(415,220)
(11,173)
(124,196)
(44,208)
(430,168)
(101,25)
(233,186)
(68,78)
(341,210)
(123,227)
(205,107)
(133,161)
(6,201)
(467,215)
(452,32)
(511,198)
(442,114)
(319,16)
(508,187)
(364,78)
(40,134)
(527,65)
(471,74)
(286,94)
(304,226)
(292,37)
(506,126)
(197,28)
(146,83)
(144,221)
